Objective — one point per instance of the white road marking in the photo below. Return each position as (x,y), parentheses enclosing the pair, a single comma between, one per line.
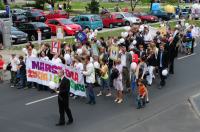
(40,100)
(183,57)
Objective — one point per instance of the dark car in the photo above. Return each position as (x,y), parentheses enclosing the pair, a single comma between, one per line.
(18,36)
(185,13)
(32,30)
(161,15)
(18,18)
(35,16)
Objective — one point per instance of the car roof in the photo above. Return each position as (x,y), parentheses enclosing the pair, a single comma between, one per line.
(89,15)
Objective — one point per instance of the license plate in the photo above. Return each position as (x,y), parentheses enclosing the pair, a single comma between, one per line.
(23,39)
(23,20)
(45,30)
(119,24)
(41,17)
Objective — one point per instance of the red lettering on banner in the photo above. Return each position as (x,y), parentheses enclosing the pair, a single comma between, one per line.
(72,75)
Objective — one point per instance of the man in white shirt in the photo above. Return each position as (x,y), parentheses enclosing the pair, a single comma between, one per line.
(14,63)
(90,80)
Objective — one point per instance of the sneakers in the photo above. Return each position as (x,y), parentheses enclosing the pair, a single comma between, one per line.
(116,100)
(99,94)
(12,86)
(108,95)
(120,101)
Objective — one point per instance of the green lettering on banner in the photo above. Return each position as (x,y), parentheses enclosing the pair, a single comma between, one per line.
(56,79)
(77,87)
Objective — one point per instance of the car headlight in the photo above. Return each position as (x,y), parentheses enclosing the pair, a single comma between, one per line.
(26,35)
(69,28)
(13,36)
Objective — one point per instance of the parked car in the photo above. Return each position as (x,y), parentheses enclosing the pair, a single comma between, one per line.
(146,17)
(69,27)
(32,30)
(129,18)
(34,16)
(18,36)
(3,14)
(185,13)
(57,14)
(112,19)
(18,11)
(38,10)
(18,18)
(89,21)
(162,15)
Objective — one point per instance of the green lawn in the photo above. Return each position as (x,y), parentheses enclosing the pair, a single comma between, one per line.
(115,33)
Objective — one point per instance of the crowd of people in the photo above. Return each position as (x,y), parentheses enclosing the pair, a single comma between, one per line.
(141,57)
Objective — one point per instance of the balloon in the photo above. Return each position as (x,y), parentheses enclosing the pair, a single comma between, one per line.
(124,34)
(133,66)
(134,42)
(121,41)
(164,72)
(127,28)
(96,65)
(75,40)
(24,50)
(52,85)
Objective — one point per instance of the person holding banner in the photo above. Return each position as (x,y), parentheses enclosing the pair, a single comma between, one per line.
(63,99)
(90,80)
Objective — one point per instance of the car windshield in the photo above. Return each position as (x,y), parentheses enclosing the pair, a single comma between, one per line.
(185,10)
(128,15)
(36,14)
(14,29)
(66,21)
(40,24)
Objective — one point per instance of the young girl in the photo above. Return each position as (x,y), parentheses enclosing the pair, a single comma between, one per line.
(1,67)
(142,95)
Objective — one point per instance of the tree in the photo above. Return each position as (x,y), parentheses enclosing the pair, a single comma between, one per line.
(93,7)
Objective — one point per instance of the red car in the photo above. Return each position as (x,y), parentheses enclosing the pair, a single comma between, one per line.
(57,14)
(37,10)
(112,19)
(68,26)
(146,17)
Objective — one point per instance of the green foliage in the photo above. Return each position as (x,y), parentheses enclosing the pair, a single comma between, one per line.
(40,4)
(2,6)
(93,7)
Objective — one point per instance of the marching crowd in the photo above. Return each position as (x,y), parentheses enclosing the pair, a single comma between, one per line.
(138,59)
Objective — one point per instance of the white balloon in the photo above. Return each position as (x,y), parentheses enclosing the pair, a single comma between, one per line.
(187,24)
(96,65)
(127,28)
(24,50)
(121,41)
(122,34)
(52,85)
(75,40)
(134,42)
(164,72)
(125,34)
(133,66)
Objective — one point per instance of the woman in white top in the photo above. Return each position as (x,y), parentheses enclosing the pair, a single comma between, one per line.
(56,59)
(43,56)
(117,83)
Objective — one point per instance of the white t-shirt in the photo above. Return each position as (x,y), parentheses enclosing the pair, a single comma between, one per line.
(123,59)
(44,58)
(56,61)
(79,67)
(14,63)
(68,59)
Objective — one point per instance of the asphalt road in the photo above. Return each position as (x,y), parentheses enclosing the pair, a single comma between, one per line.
(168,110)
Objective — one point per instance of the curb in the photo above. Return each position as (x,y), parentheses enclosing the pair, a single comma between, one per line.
(191,100)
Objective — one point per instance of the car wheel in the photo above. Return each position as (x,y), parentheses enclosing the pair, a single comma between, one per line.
(127,23)
(111,26)
(33,38)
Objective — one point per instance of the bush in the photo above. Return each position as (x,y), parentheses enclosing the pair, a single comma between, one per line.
(93,7)
(2,6)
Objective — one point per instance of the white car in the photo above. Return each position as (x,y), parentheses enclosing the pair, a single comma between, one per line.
(129,18)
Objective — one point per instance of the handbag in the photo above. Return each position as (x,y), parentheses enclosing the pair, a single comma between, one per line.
(8,67)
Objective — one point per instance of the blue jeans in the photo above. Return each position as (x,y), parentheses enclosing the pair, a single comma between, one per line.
(90,92)
(22,81)
(104,84)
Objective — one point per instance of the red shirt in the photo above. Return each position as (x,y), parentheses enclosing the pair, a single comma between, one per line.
(135,58)
(1,64)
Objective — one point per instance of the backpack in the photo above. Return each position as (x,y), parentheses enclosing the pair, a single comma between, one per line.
(114,74)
